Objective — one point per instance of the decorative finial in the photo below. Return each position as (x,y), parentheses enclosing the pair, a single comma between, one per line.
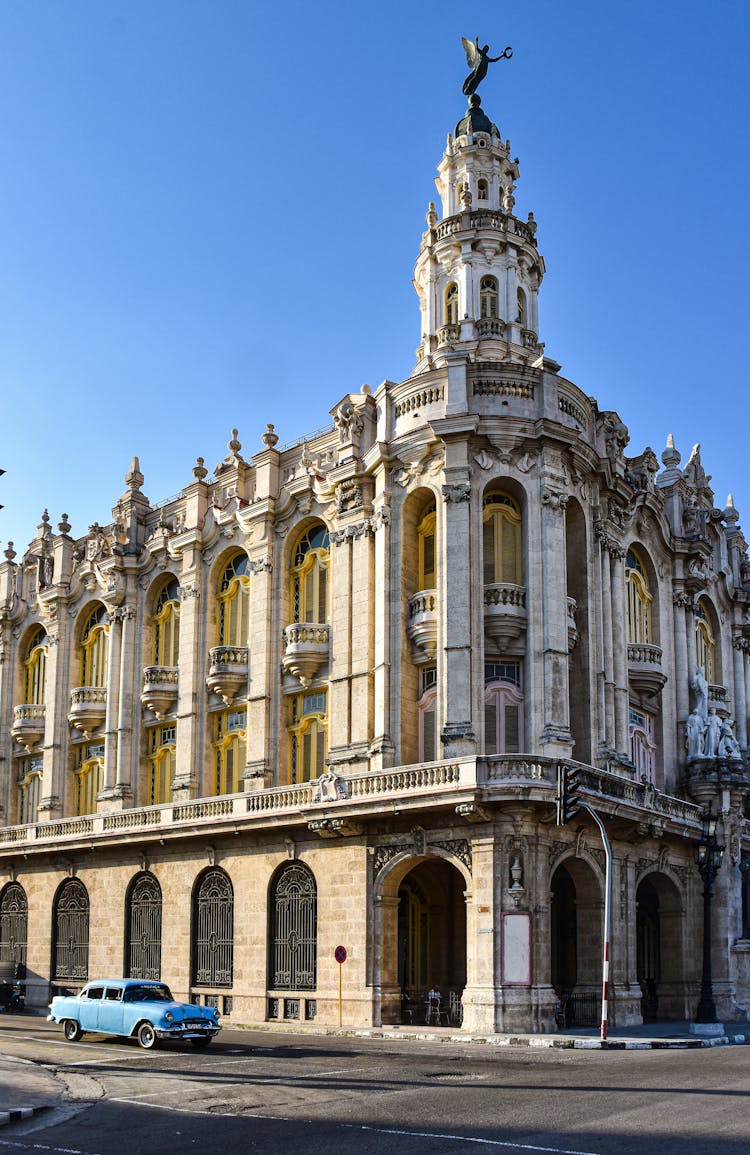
(64,525)
(134,477)
(432,216)
(671,457)
(531,224)
(9,553)
(269,438)
(234,446)
(199,469)
(478,60)
(731,513)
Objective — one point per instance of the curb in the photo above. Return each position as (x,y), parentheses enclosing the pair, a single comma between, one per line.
(18,1114)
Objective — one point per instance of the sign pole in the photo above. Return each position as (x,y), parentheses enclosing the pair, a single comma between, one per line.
(340,955)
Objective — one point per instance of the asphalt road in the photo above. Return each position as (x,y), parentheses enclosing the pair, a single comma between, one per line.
(255,1091)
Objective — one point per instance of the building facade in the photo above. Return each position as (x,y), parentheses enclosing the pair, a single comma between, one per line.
(322,696)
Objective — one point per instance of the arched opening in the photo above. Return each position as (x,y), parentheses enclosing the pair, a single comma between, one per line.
(70,933)
(576,915)
(143,928)
(293,929)
(213,930)
(426,923)
(14,914)
(659,949)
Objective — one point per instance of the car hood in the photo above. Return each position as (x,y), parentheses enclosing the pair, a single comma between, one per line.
(178,1010)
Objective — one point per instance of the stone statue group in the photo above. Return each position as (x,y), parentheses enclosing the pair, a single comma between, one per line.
(708,735)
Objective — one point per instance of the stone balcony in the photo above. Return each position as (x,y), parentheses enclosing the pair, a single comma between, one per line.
(718,697)
(159,691)
(28,724)
(449,334)
(645,671)
(307,647)
(489,327)
(227,671)
(422,626)
(88,708)
(504,611)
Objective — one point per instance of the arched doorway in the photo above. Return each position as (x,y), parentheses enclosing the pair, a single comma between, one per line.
(423,941)
(659,948)
(576,916)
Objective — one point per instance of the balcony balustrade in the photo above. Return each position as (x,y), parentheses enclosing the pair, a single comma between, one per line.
(422,626)
(159,691)
(88,708)
(227,671)
(505,614)
(306,648)
(645,671)
(449,334)
(28,724)
(489,327)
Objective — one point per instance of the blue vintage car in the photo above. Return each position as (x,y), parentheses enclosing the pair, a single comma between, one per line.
(136,1008)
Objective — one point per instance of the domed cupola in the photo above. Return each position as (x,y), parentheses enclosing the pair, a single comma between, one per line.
(478,272)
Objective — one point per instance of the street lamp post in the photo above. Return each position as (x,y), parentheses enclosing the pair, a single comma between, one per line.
(708,856)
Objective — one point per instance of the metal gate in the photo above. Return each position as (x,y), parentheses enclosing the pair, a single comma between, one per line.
(214,931)
(14,912)
(144,929)
(71,946)
(294,934)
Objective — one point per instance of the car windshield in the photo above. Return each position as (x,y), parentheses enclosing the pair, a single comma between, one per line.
(158,994)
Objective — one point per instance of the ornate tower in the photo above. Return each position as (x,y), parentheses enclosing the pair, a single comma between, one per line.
(478,271)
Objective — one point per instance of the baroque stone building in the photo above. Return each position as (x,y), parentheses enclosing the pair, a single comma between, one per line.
(321,696)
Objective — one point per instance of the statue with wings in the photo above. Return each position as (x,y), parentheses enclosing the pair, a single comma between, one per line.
(479,60)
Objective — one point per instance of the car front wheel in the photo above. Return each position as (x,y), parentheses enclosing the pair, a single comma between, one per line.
(72,1030)
(146,1036)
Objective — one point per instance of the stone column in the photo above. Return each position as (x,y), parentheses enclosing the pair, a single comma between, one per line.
(56,727)
(264,641)
(128,717)
(745,706)
(683,672)
(620,649)
(113,698)
(455,589)
(382,749)
(340,704)
(556,737)
(740,692)
(191,690)
(609,701)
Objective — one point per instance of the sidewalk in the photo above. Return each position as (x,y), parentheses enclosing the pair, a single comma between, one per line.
(25,1089)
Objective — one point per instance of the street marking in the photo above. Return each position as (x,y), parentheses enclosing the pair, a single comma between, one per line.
(43,1147)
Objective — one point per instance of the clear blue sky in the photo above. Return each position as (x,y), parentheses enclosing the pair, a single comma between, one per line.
(210,210)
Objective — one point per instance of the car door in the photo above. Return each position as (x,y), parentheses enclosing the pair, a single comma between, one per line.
(110,1011)
(89,1002)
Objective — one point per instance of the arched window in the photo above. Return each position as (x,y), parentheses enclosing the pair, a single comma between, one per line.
(14,914)
(309,575)
(639,598)
(213,930)
(70,921)
(162,764)
(94,637)
(427,715)
(642,744)
(488,297)
(426,548)
(29,788)
(230,750)
(705,646)
(143,928)
(293,929)
(308,735)
(482,196)
(451,304)
(503,708)
(34,667)
(521,308)
(89,773)
(234,602)
(165,625)
(501,540)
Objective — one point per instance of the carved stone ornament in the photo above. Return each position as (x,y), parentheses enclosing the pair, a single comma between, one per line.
(329,787)
(261,565)
(348,496)
(456,492)
(348,422)
(554,500)
(356,530)
(384,854)
(460,848)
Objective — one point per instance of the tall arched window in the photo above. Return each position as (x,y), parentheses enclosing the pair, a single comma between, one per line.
(29,788)
(165,625)
(34,667)
(488,297)
(70,921)
(94,638)
(230,750)
(309,576)
(213,930)
(642,744)
(143,928)
(308,735)
(293,933)
(14,914)
(234,602)
(639,598)
(521,314)
(88,778)
(501,539)
(426,548)
(705,645)
(451,304)
(426,707)
(503,708)
(482,189)
(162,764)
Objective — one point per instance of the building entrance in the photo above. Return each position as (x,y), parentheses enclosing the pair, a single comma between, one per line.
(576,943)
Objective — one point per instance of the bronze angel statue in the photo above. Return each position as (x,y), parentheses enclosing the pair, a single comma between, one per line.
(479,60)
